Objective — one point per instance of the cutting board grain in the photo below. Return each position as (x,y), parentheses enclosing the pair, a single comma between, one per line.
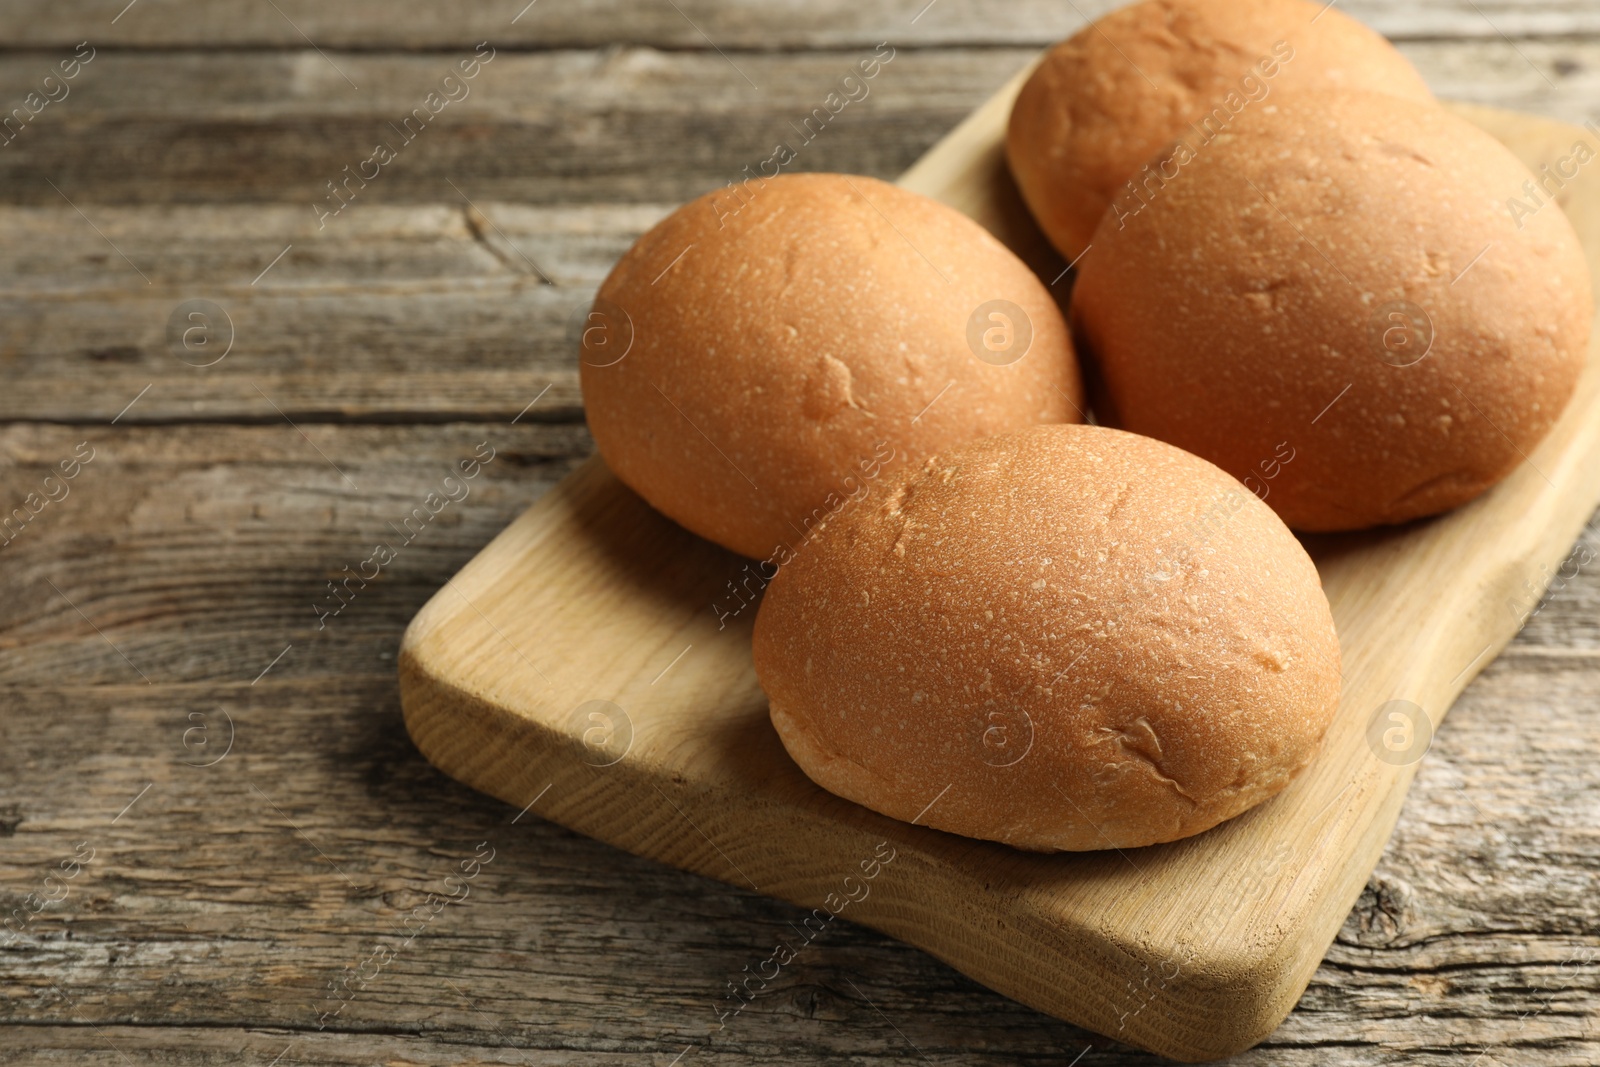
(577,670)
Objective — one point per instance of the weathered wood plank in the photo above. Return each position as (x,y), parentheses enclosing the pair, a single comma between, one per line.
(396,313)
(201,550)
(631,124)
(422,355)
(619,125)
(50,253)
(203,933)
(212,912)
(240,891)
(739,24)
(196,553)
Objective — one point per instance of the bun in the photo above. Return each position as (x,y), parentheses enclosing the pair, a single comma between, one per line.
(791,337)
(1108,98)
(1347,283)
(1064,638)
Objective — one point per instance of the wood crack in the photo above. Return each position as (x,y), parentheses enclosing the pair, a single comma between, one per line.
(494,239)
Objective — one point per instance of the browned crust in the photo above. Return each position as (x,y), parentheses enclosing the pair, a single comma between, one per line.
(1107,99)
(813,331)
(1073,637)
(1276,253)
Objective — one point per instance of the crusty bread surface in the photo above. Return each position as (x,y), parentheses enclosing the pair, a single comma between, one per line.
(1346,279)
(1064,638)
(766,351)
(1105,100)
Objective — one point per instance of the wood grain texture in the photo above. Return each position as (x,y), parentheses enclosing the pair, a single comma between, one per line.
(533,676)
(746,25)
(576,951)
(566,126)
(259,507)
(210,927)
(405,313)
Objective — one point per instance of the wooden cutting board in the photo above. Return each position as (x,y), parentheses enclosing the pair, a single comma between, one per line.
(576,669)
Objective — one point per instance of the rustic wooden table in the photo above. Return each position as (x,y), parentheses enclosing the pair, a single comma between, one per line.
(211,819)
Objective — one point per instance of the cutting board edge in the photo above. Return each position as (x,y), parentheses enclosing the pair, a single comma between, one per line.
(1244,985)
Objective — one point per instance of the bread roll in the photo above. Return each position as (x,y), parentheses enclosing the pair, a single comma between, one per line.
(1068,637)
(1105,100)
(1344,280)
(791,337)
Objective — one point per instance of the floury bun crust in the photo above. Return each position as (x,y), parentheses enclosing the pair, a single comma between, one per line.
(1344,281)
(792,337)
(1108,98)
(1093,639)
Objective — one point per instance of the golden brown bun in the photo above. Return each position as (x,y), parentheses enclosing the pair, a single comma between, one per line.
(1091,638)
(1108,98)
(791,337)
(1279,259)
